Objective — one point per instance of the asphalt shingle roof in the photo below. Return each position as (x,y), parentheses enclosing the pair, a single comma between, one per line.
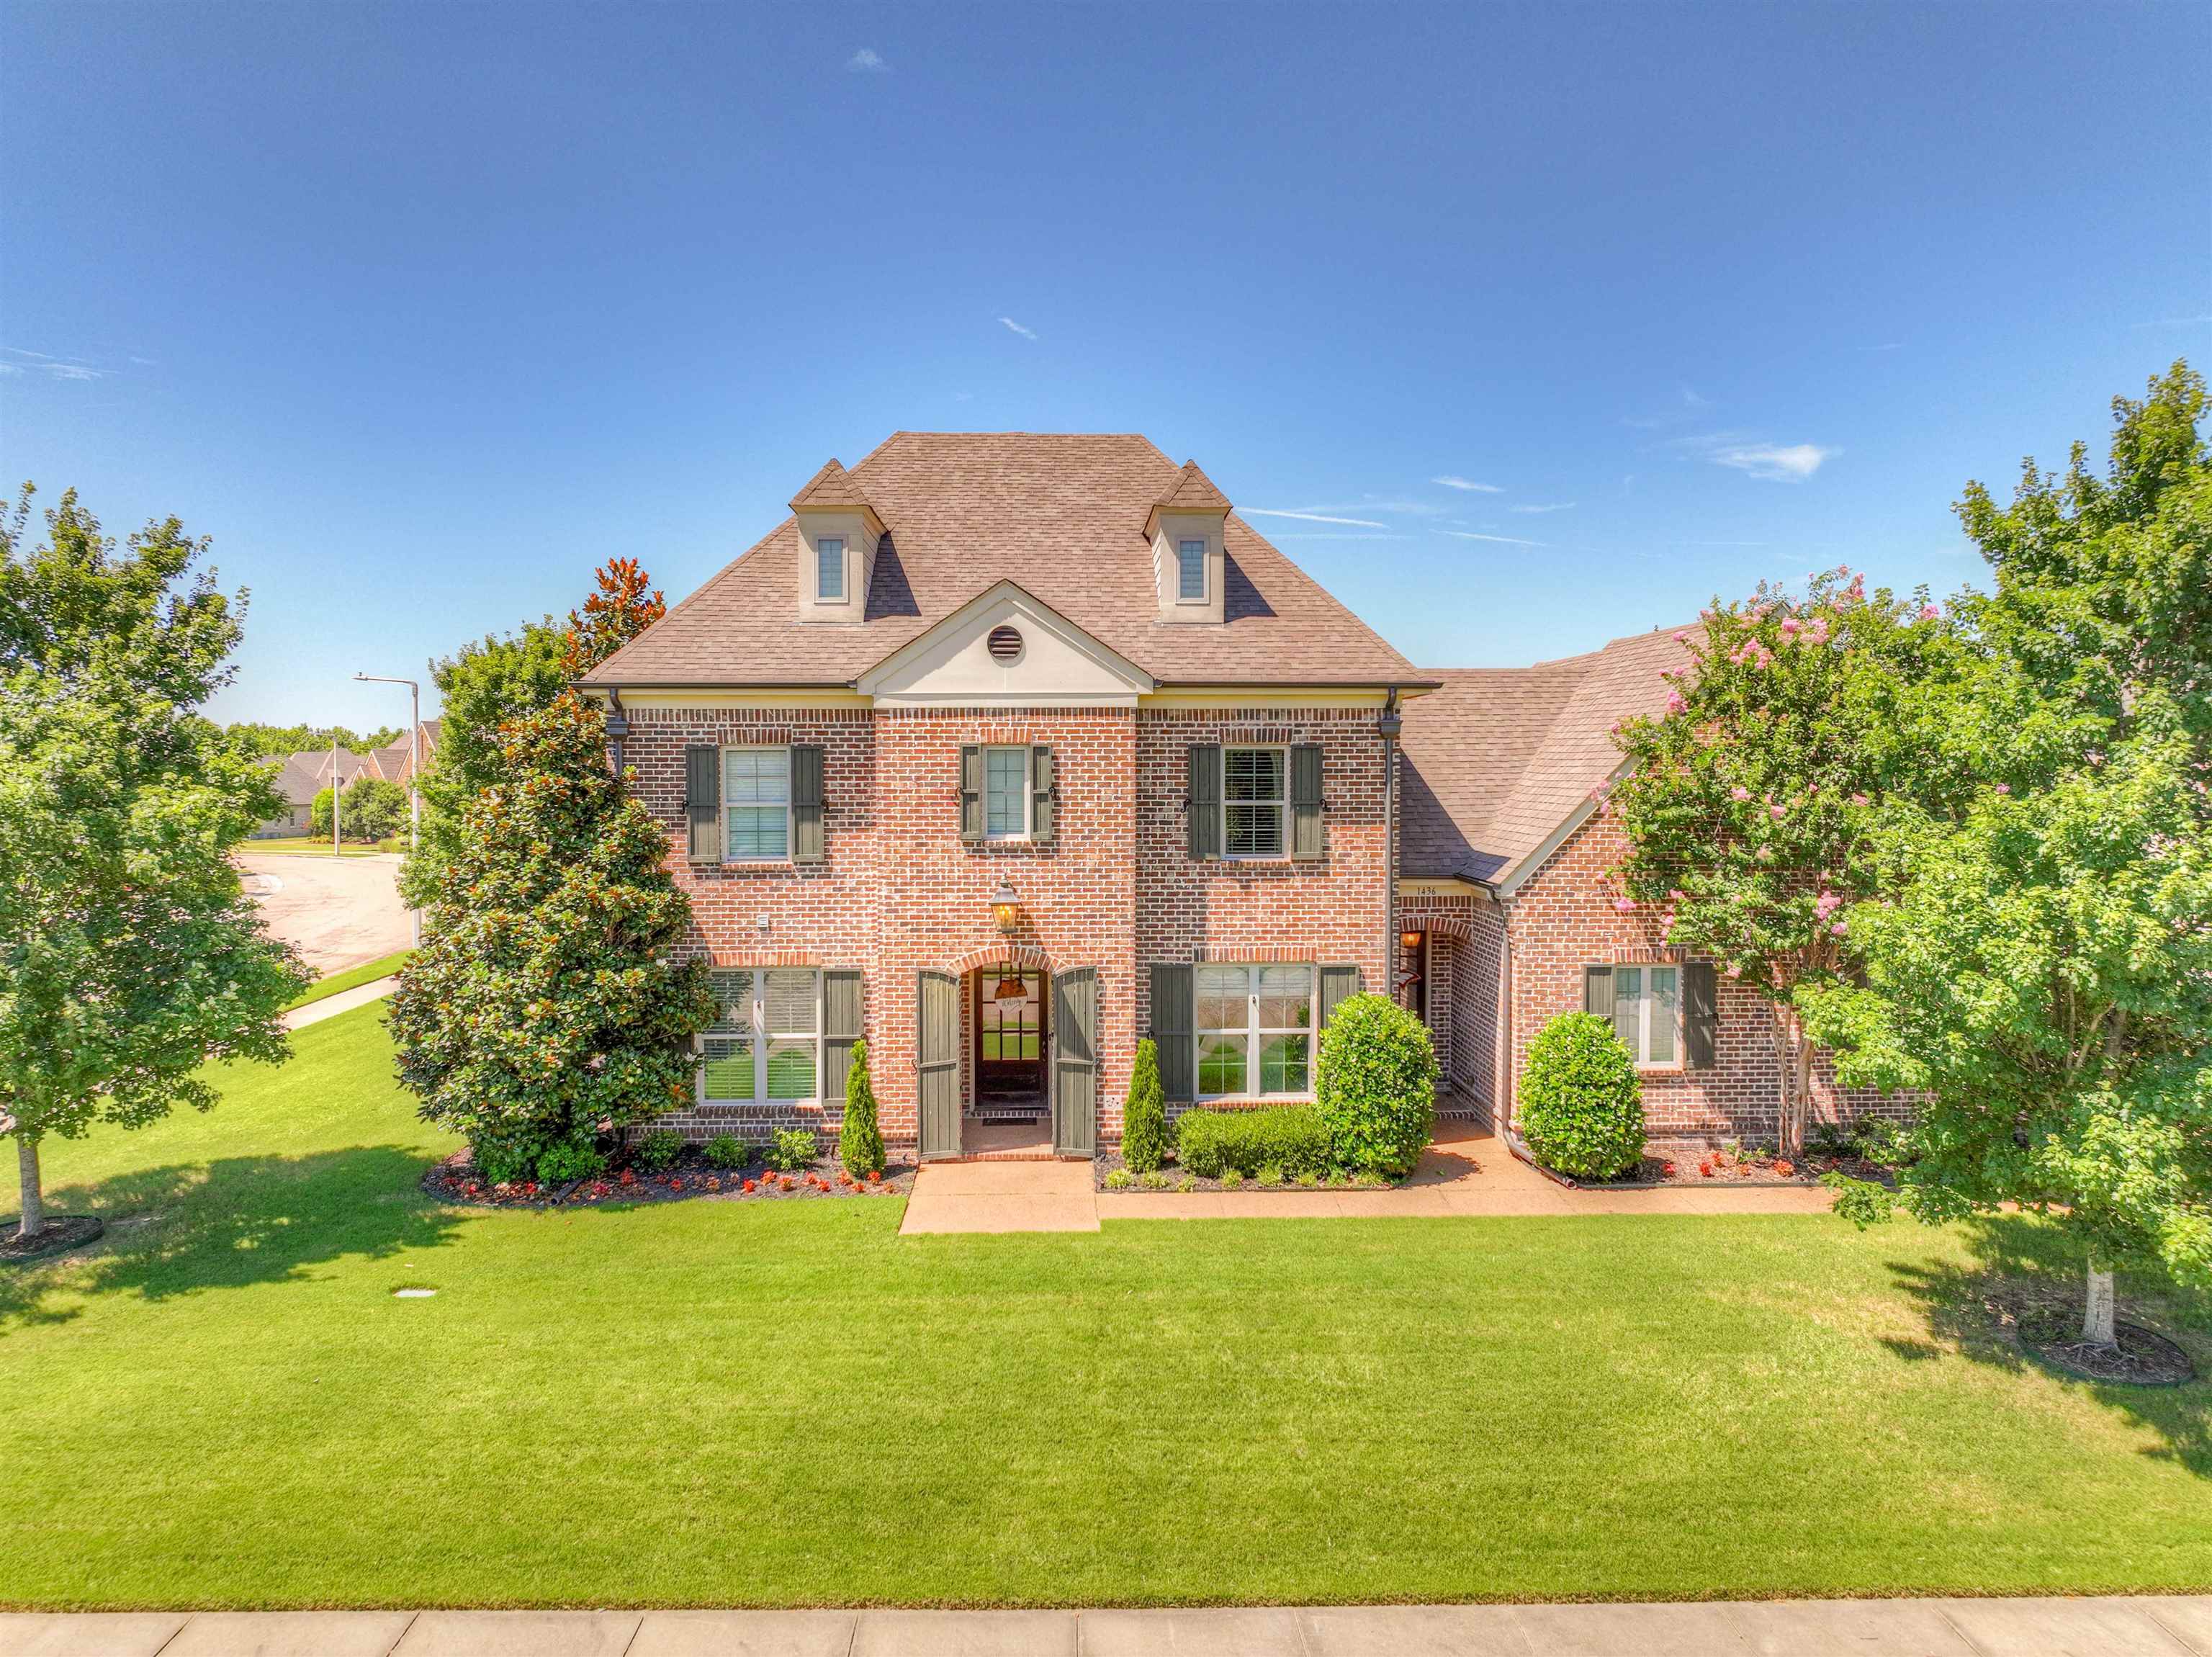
(1063,516)
(1500,757)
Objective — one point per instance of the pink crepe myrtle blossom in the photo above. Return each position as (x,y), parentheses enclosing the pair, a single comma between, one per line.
(1791,627)
(1681,636)
(1860,799)
(1826,904)
(1739,792)
(2004,788)
(1676,702)
(1777,812)
(1818,633)
(1929,612)
(1735,970)
(1625,905)
(1839,928)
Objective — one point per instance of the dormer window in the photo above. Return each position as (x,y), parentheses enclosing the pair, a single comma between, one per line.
(829,570)
(1190,577)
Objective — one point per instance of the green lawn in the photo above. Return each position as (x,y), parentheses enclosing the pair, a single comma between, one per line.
(367,972)
(301,845)
(712,1403)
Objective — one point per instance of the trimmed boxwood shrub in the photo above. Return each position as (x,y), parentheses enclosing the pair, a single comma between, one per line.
(657,1151)
(1144,1117)
(1375,1086)
(1582,1107)
(1289,1138)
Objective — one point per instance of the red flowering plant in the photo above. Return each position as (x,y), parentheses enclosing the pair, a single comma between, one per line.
(1747,803)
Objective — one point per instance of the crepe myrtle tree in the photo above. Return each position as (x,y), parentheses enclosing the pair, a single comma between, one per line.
(1745,804)
(548,1006)
(129,955)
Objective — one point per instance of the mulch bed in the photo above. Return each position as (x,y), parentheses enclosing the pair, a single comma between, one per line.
(1690,1166)
(455,1180)
(60,1233)
(2048,1326)
(1106,1162)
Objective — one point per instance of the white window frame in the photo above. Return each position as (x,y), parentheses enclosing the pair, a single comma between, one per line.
(844,587)
(1027,792)
(1282,804)
(1646,1000)
(1254,1033)
(755,1029)
(722,827)
(1204,559)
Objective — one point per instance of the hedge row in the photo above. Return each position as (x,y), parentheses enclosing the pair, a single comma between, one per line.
(1290,1137)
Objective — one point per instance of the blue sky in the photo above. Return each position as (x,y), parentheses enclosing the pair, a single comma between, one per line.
(1528,327)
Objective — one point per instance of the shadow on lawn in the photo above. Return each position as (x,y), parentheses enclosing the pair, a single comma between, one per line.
(230,1223)
(2017,1256)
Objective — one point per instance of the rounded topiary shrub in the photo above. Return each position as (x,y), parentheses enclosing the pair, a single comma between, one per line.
(1375,1086)
(1582,1107)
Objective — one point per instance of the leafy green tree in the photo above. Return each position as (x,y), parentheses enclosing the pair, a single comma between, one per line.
(129,956)
(300,738)
(547,1006)
(1747,805)
(625,604)
(1145,1117)
(859,1140)
(483,685)
(373,809)
(2040,962)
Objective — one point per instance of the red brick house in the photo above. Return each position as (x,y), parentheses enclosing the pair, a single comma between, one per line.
(1005,749)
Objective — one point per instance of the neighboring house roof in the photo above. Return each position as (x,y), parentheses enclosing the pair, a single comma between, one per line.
(1063,516)
(394,761)
(1500,759)
(301,775)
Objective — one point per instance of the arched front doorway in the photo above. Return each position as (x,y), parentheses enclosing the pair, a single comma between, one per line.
(1008,1056)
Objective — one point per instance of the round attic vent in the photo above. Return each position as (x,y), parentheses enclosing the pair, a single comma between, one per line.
(1005,645)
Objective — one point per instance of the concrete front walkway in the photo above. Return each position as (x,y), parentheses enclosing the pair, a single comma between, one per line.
(993,1195)
(2175,1626)
(344,1001)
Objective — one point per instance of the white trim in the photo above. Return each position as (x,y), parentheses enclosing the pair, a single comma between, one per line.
(1449,885)
(756,1032)
(1253,1031)
(1231,697)
(1134,680)
(829,696)
(1513,879)
(1282,808)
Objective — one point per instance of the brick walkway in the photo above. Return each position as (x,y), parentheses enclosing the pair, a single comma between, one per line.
(2151,1627)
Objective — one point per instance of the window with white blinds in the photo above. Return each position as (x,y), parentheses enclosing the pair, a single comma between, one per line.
(765,1044)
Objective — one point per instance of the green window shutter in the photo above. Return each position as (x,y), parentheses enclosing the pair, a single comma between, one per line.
(1205,799)
(1308,837)
(1701,1014)
(806,845)
(1337,982)
(703,801)
(971,792)
(1040,793)
(1597,991)
(840,1028)
(1171,1033)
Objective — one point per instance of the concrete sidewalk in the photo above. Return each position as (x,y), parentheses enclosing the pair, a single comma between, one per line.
(2151,1627)
(344,1001)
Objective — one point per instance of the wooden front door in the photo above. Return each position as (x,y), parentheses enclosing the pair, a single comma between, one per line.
(1075,1062)
(1009,1050)
(936,1045)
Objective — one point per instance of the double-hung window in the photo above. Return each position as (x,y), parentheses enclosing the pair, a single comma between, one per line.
(1647,1007)
(757,804)
(1254,803)
(1254,1029)
(829,570)
(1190,572)
(1006,793)
(765,1044)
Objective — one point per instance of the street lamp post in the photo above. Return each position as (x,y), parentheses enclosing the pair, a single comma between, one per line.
(414,774)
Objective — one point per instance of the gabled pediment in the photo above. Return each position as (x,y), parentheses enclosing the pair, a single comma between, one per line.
(1005,648)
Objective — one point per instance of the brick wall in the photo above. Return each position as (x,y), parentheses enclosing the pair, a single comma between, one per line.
(1562,919)
(899,892)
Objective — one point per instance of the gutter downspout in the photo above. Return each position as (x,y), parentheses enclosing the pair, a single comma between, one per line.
(1389,723)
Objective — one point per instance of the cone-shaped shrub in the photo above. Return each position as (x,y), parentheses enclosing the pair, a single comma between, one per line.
(1582,1107)
(860,1142)
(547,1006)
(1376,1085)
(1144,1117)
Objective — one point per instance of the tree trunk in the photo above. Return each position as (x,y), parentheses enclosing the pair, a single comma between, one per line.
(1793,1064)
(34,1206)
(2097,1313)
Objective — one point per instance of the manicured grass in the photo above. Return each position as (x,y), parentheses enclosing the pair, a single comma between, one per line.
(717,1402)
(367,972)
(308,846)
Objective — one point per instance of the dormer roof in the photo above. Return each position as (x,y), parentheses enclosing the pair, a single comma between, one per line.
(830,488)
(1192,492)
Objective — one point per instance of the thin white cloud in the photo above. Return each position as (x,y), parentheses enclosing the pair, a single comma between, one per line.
(2173,322)
(1026,333)
(1554,506)
(1451,480)
(867,61)
(1894,345)
(10,367)
(1690,400)
(1331,535)
(1776,463)
(1502,540)
(1309,517)
(74,371)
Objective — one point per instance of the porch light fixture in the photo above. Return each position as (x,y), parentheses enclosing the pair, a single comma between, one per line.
(1005,909)
(1410,940)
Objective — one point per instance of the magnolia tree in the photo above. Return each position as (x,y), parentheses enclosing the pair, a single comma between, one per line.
(1746,803)
(624,605)
(2039,963)
(129,956)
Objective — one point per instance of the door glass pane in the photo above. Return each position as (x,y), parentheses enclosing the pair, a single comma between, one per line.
(1005,790)
(1665,996)
(1221,1064)
(729,1068)
(1285,997)
(791,1070)
(1222,992)
(1282,1064)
